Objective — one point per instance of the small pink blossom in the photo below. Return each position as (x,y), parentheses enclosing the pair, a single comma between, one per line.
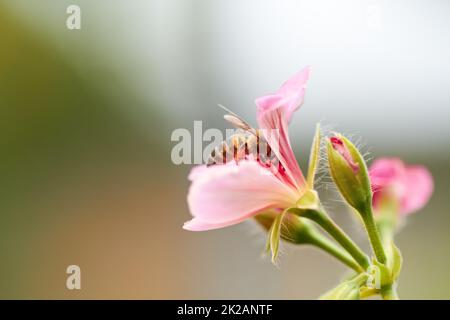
(410,186)
(227,194)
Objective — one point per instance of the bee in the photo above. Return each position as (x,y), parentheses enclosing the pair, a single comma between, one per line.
(245,143)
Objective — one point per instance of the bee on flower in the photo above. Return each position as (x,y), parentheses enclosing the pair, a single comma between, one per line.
(233,191)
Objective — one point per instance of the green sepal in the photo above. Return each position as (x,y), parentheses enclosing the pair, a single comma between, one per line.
(294,229)
(314,158)
(309,200)
(275,235)
(342,292)
(347,290)
(396,263)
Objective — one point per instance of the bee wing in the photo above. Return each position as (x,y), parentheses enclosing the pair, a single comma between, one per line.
(237,121)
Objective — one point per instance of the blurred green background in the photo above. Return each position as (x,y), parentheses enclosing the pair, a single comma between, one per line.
(86,118)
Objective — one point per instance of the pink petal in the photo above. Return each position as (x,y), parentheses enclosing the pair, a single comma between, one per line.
(274,112)
(411,186)
(196,172)
(289,96)
(223,195)
(419,187)
(197,224)
(386,170)
(280,145)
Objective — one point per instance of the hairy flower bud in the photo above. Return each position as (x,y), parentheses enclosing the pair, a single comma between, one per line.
(349,172)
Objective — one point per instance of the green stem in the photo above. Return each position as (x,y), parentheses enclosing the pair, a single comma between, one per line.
(386,231)
(330,247)
(374,237)
(323,220)
(389,293)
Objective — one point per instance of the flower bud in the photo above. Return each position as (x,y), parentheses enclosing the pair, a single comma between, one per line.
(349,172)
(286,226)
(350,175)
(294,229)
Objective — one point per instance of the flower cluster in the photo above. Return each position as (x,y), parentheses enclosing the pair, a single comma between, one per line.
(287,205)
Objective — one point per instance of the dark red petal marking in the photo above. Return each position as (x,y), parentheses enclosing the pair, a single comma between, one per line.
(341,148)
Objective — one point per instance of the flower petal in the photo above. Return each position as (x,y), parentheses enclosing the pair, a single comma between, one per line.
(419,184)
(274,113)
(223,195)
(196,172)
(411,186)
(197,224)
(281,145)
(289,96)
(385,170)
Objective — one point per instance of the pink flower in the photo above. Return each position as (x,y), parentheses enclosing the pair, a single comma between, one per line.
(410,186)
(227,194)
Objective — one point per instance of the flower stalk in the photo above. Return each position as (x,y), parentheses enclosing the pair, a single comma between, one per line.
(374,237)
(322,219)
(331,248)
(389,293)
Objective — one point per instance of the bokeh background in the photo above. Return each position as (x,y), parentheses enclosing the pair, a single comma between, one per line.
(86,118)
